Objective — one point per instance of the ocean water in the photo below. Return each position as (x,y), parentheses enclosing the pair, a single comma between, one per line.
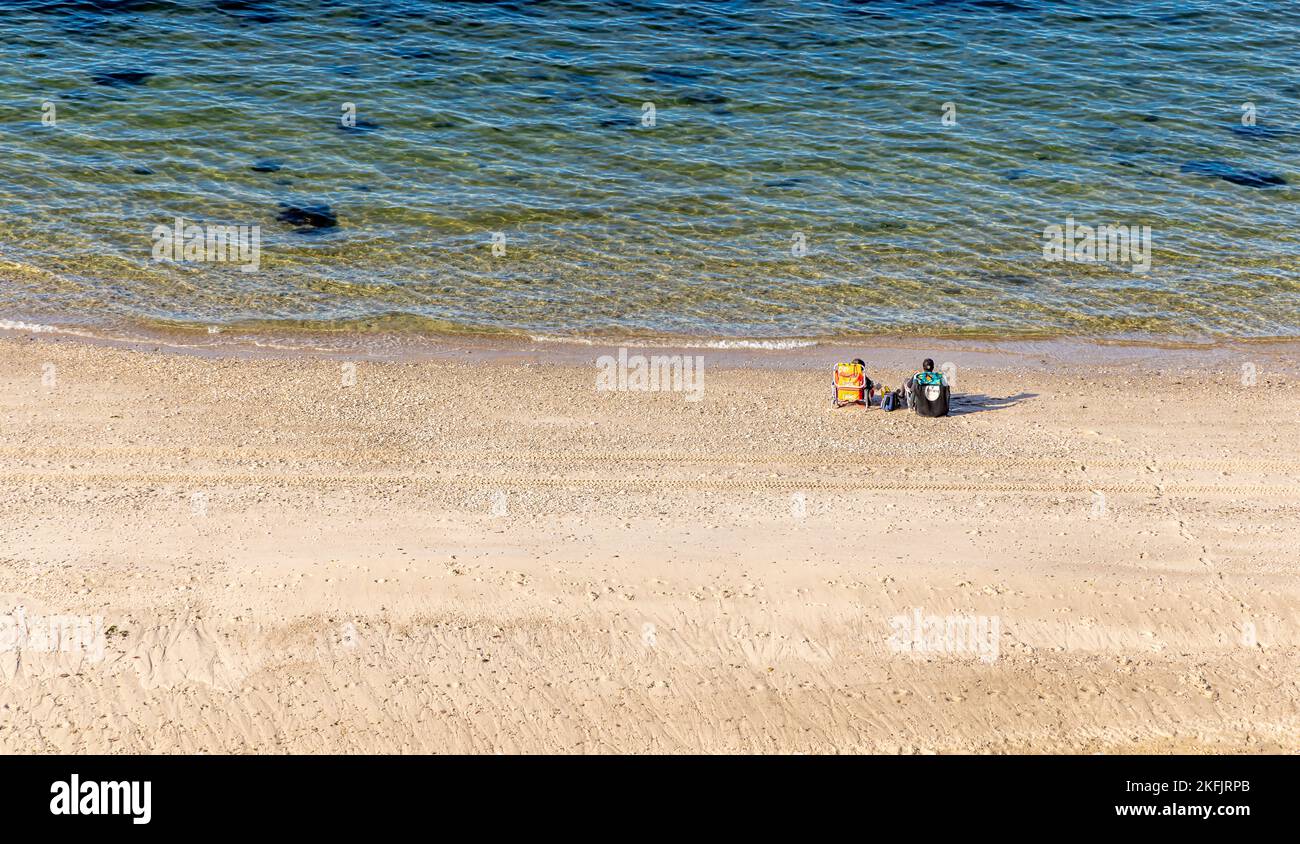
(808,170)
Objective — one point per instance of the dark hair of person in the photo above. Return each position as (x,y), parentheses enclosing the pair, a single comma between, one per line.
(928,364)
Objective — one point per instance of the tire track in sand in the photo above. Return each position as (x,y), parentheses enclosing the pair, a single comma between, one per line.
(480,481)
(475,458)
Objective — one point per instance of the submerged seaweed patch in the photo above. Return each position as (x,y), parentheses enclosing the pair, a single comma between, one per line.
(1261,133)
(121,78)
(308,217)
(361,126)
(1231,173)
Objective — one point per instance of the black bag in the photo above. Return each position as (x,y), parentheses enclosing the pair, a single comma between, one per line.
(928,399)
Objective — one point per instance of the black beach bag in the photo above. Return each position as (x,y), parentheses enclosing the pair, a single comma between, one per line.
(928,395)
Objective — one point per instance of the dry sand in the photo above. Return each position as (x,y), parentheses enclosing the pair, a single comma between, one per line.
(419,563)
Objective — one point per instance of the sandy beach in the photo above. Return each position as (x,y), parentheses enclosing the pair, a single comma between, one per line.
(489,555)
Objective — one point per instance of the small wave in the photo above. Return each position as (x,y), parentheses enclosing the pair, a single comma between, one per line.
(668,343)
(576,341)
(758,344)
(34,327)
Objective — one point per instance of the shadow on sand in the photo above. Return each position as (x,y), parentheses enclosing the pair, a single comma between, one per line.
(964,403)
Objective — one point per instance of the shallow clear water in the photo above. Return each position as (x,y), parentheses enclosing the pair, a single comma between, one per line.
(772,120)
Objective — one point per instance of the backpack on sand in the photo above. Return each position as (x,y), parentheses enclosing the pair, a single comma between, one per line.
(892,400)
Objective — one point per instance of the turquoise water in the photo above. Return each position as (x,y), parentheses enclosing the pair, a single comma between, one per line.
(775,124)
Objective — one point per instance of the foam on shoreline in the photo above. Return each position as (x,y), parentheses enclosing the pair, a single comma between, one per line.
(1006,353)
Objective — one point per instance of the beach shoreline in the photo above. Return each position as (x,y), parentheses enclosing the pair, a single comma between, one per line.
(485,553)
(1051,353)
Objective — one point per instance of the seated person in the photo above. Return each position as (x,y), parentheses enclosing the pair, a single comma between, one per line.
(928,391)
(867,379)
(927,365)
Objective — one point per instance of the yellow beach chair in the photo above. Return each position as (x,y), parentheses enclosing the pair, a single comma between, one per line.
(851,384)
